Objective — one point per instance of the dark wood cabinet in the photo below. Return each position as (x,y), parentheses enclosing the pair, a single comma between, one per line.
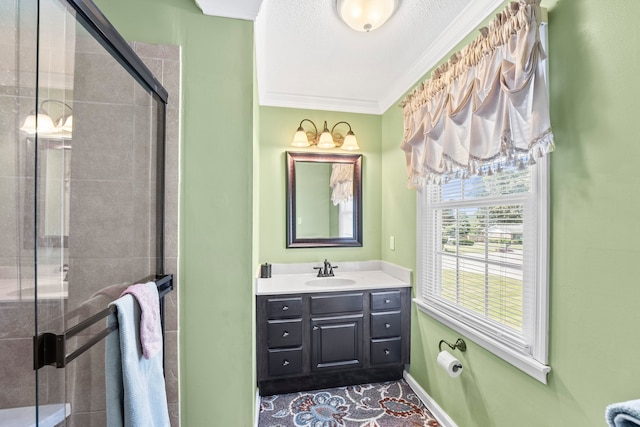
(319,340)
(336,342)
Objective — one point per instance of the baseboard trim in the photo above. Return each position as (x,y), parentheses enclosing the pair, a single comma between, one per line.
(433,406)
(256,417)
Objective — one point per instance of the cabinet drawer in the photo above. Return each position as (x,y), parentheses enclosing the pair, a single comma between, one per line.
(386,350)
(385,325)
(284,362)
(278,308)
(284,333)
(336,303)
(385,300)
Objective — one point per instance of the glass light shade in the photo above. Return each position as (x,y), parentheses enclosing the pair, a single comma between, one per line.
(350,142)
(300,139)
(44,122)
(326,140)
(365,15)
(67,125)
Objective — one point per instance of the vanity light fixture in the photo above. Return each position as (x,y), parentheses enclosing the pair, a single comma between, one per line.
(44,125)
(326,139)
(365,15)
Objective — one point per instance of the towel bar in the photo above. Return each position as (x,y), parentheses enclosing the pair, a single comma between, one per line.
(50,349)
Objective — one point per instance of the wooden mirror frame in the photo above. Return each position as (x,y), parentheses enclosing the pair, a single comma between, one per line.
(293,241)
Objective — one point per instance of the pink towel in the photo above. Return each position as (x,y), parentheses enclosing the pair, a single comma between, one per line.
(150,328)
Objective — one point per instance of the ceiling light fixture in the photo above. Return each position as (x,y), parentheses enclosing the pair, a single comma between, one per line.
(326,139)
(365,15)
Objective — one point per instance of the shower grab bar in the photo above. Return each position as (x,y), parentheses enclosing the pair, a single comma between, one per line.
(50,349)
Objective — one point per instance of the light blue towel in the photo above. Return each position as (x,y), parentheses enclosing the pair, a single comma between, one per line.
(136,395)
(624,414)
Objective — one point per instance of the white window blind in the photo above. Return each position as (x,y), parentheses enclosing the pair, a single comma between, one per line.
(481,240)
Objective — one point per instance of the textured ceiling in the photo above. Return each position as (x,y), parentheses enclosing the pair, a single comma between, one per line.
(308,58)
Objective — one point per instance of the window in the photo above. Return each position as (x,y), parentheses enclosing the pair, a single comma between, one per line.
(482,260)
(345,218)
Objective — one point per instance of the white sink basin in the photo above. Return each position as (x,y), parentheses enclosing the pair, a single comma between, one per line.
(330,281)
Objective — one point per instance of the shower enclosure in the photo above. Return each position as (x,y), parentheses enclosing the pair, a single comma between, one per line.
(82,155)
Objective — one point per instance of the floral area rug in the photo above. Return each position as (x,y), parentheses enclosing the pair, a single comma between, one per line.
(388,404)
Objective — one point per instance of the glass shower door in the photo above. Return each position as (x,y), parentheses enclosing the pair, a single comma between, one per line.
(18,97)
(81,202)
(99,209)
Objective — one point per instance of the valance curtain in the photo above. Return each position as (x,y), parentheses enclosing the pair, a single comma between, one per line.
(486,107)
(341,183)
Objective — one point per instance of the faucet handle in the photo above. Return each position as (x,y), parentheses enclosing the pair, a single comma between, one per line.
(319,271)
(331,267)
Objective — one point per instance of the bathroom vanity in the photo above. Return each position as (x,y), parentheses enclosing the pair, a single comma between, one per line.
(325,332)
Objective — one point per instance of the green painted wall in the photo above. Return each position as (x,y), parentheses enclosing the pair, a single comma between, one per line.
(216,294)
(277,126)
(594,294)
(594,289)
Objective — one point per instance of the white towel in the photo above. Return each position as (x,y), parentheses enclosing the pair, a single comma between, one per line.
(150,327)
(136,395)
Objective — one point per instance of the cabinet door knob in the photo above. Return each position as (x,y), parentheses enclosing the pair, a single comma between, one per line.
(285,334)
(386,351)
(315,328)
(285,363)
(285,307)
(387,301)
(387,325)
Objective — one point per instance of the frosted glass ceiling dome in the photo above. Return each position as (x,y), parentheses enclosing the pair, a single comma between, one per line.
(365,15)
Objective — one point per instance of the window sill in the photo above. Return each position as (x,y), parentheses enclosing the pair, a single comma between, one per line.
(523,362)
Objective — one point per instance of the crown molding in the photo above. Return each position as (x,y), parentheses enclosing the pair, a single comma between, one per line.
(246,10)
(278,99)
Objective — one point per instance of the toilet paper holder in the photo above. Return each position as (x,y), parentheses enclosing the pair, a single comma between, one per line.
(460,345)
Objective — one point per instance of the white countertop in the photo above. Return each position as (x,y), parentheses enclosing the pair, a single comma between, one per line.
(350,276)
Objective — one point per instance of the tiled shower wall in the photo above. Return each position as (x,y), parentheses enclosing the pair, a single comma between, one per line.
(108,166)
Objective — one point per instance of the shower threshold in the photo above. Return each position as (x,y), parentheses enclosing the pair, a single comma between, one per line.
(25,416)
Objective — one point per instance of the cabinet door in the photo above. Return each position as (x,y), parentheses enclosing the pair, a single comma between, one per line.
(336,342)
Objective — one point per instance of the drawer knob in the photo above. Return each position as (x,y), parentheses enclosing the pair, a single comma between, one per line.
(387,325)
(285,334)
(387,301)
(386,351)
(285,363)
(285,307)
(315,328)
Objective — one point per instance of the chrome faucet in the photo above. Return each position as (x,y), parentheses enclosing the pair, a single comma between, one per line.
(326,270)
